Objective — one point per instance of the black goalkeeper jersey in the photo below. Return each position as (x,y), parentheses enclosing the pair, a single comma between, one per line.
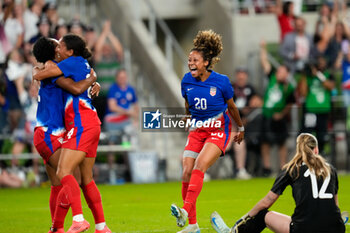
(315,209)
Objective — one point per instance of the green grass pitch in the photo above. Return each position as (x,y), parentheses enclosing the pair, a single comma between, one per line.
(146,208)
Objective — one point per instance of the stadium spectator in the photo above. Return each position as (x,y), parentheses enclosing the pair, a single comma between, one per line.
(253,124)
(9,179)
(3,107)
(13,28)
(108,55)
(315,190)
(123,109)
(107,59)
(322,41)
(316,87)
(25,132)
(296,45)
(326,15)
(16,68)
(44,29)
(204,144)
(243,93)
(31,17)
(343,63)
(60,31)
(91,40)
(285,17)
(122,115)
(76,27)
(338,42)
(50,11)
(277,101)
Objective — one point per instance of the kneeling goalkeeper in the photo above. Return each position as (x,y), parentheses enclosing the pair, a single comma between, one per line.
(315,190)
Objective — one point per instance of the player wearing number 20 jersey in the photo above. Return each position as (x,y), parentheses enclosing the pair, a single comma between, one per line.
(207,101)
(81,120)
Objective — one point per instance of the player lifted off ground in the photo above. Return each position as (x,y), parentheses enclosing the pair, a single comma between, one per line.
(208,96)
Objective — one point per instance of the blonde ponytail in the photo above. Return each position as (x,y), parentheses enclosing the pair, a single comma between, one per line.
(305,154)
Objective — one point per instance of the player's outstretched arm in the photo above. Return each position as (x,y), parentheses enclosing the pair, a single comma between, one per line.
(51,70)
(264,203)
(77,88)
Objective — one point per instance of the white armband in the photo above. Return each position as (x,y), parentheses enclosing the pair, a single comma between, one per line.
(241,129)
(321,76)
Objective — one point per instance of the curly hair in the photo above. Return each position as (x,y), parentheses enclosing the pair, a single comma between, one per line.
(209,44)
(44,50)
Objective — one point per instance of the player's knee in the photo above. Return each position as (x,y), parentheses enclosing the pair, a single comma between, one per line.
(61,172)
(201,167)
(186,176)
(186,173)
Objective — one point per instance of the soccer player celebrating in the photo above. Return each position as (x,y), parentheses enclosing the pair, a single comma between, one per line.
(49,131)
(315,191)
(80,142)
(208,97)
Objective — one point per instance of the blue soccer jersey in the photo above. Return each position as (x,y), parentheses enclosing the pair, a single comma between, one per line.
(124,98)
(206,99)
(50,113)
(79,111)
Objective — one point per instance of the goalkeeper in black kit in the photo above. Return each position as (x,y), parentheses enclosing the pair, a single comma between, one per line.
(315,191)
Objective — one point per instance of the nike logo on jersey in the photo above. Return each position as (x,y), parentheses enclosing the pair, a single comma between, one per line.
(188,89)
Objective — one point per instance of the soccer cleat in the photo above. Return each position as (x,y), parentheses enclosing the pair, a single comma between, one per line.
(345,216)
(191,228)
(54,230)
(218,223)
(105,230)
(180,215)
(79,227)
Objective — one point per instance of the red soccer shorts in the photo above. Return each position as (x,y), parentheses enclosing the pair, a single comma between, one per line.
(218,136)
(85,139)
(46,144)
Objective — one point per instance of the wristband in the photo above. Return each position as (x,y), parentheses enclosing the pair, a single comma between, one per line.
(321,76)
(241,129)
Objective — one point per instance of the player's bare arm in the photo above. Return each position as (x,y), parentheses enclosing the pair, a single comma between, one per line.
(264,203)
(77,88)
(50,70)
(232,109)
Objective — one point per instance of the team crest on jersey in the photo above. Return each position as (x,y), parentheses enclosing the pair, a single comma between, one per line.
(212,91)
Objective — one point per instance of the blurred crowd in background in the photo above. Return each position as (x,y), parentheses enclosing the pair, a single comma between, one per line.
(309,71)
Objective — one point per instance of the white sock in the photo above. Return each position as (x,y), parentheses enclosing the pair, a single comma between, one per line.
(193,225)
(100,226)
(78,218)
